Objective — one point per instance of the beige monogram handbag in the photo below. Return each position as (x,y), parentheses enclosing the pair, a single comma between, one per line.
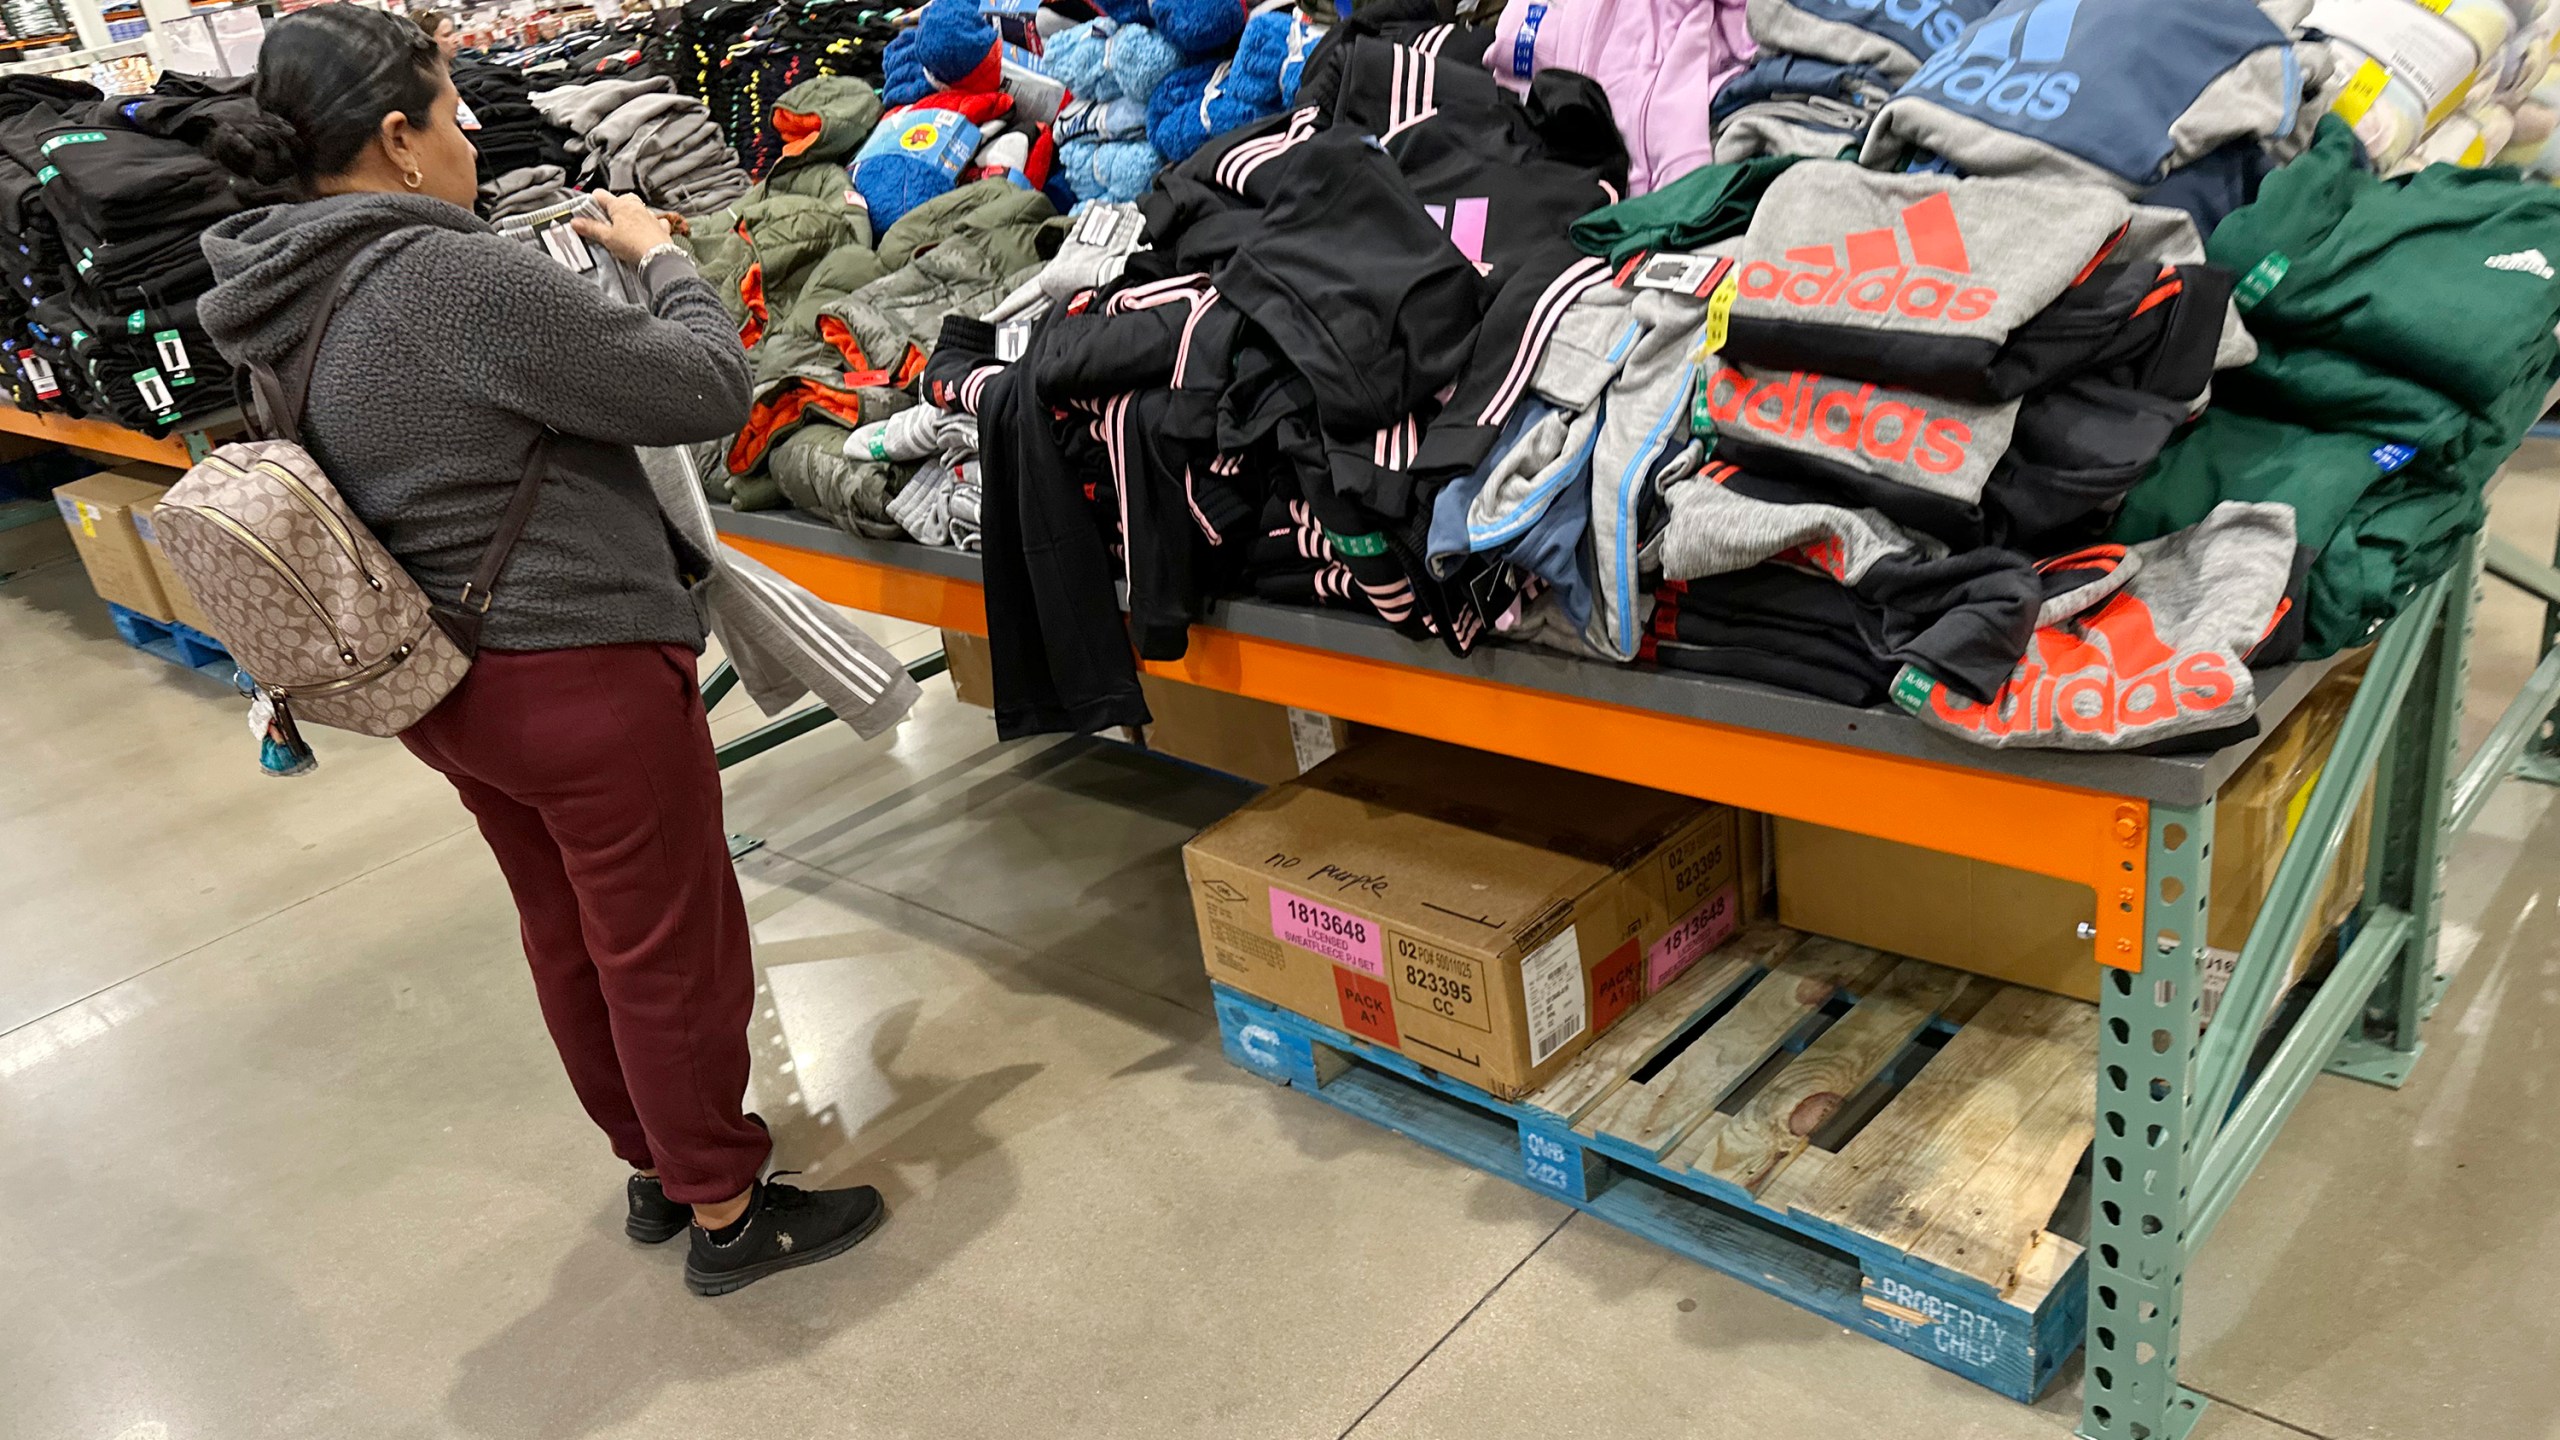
(330,627)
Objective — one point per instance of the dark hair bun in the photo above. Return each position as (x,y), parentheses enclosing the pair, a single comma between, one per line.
(257,146)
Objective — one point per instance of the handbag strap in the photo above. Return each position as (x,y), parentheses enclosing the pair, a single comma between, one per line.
(282,396)
(462,620)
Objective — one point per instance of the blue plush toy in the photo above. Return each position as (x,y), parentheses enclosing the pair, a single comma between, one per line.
(1120,170)
(1253,80)
(1140,59)
(1079,56)
(1198,27)
(1174,122)
(903,81)
(957,46)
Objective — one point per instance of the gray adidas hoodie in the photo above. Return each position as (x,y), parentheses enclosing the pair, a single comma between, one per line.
(451,352)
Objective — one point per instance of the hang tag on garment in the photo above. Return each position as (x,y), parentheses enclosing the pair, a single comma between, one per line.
(1012,338)
(1696,275)
(39,374)
(173,352)
(262,713)
(1107,227)
(1719,313)
(462,117)
(567,246)
(154,390)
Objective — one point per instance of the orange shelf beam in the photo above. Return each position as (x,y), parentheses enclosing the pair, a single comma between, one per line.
(95,435)
(2086,836)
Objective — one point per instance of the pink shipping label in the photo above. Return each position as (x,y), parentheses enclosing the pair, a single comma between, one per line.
(1697,932)
(1342,939)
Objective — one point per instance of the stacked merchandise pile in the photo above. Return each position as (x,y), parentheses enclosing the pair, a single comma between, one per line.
(2459,83)
(1474,341)
(104,203)
(739,57)
(640,137)
(837,322)
(512,136)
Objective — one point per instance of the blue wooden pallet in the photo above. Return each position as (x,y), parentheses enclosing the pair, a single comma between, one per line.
(1623,1136)
(178,644)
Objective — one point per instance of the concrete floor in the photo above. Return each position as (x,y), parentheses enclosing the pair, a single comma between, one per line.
(293,1158)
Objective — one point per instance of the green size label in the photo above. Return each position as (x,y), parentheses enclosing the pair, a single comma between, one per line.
(137,322)
(1911,688)
(76,137)
(2262,277)
(1372,543)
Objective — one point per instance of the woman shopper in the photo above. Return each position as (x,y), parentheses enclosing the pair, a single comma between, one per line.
(438,26)
(578,739)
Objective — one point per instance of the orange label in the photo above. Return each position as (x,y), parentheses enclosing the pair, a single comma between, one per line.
(1614,986)
(1367,1010)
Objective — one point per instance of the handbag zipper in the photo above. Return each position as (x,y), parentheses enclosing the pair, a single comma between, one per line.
(311,501)
(365,676)
(328,518)
(277,563)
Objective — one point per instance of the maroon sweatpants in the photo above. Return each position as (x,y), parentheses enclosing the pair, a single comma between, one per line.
(590,772)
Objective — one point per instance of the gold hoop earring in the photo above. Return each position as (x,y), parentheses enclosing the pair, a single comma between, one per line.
(413,179)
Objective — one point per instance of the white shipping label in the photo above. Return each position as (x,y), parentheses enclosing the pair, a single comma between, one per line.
(1551,989)
(2420,48)
(2212,978)
(1311,736)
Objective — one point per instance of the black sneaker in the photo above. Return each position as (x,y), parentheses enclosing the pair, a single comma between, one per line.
(784,1226)
(654,1218)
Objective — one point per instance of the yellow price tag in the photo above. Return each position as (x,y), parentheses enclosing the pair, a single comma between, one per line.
(2451,103)
(2363,88)
(88,520)
(1719,313)
(2438,6)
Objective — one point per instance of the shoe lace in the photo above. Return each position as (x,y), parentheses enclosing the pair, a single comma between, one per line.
(778,1196)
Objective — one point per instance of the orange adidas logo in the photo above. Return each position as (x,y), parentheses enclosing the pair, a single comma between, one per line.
(1842,414)
(1866,271)
(2115,674)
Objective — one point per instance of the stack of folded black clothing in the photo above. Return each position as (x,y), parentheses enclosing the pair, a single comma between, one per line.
(108,200)
(738,58)
(512,135)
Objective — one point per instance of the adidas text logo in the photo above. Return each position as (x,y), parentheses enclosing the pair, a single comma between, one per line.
(2531,262)
(1934,21)
(2008,65)
(1842,414)
(1873,279)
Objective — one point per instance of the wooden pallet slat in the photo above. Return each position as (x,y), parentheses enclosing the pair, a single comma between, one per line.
(1749,1149)
(1920,1159)
(1661,1112)
(1636,1039)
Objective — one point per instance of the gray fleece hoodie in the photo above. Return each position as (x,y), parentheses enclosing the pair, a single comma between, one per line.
(452,350)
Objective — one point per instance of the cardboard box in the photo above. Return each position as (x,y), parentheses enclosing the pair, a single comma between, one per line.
(1253,738)
(2023,928)
(972,668)
(173,587)
(99,511)
(1256,739)
(1484,916)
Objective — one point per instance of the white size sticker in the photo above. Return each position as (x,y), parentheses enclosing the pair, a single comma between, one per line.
(1551,989)
(1311,736)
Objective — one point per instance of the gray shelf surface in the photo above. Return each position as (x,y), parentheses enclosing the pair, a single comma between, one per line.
(1742,704)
